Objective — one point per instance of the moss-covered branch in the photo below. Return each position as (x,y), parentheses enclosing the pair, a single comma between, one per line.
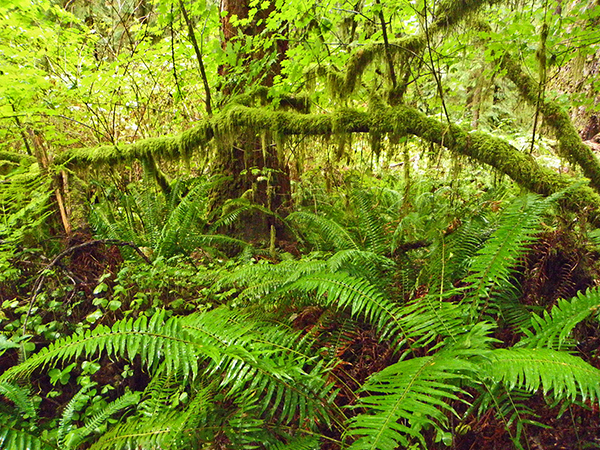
(448,14)
(401,120)
(571,147)
(16,158)
(167,147)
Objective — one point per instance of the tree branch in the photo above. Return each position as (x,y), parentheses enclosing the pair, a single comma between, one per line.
(398,121)
(571,147)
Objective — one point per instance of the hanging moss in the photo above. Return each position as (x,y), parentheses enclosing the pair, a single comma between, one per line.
(448,14)
(152,171)
(570,146)
(398,121)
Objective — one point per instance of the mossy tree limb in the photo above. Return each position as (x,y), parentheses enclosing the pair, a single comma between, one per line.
(448,14)
(400,120)
(17,158)
(571,147)
(166,147)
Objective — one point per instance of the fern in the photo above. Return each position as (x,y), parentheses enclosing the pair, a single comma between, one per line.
(12,438)
(370,223)
(74,438)
(153,340)
(236,209)
(567,376)
(492,267)
(362,298)
(20,397)
(511,407)
(65,424)
(166,427)
(323,232)
(419,322)
(297,443)
(552,329)
(370,265)
(183,222)
(267,365)
(160,431)
(173,226)
(408,396)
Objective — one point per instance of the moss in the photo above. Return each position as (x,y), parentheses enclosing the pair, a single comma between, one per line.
(449,14)
(398,121)
(17,158)
(570,145)
(167,147)
(152,171)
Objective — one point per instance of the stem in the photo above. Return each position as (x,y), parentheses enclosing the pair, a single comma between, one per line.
(386,43)
(192,36)
(173,56)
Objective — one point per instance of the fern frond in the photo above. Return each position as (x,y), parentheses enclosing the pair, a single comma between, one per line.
(161,431)
(370,223)
(180,226)
(297,443)
(428,318)
(239,207)
(408,396)
(65,425)
(513,408)
(14,438)
(359,296)
(366,264)
(77,436)
(265,364)
(20,397)
(323,232)
(260,280)
(450,256)
(165,428)
(552,329)
(495,262)
(421,321)
(154,340)
(159,393)
(567,376)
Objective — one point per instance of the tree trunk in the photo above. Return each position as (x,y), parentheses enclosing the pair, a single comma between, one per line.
(252,159)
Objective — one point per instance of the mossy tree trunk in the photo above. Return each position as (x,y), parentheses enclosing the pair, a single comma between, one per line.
(252,160)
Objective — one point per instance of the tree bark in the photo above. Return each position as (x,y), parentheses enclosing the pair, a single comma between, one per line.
(252,160)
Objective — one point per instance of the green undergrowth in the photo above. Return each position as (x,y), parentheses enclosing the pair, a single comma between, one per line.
(395,319)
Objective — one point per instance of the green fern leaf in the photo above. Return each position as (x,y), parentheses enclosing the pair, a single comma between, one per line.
(298,443)
(154,340)
(492,267)
(159,432)
(324,230)
(20,397)
(265,363)
(65,424)
(77,436)
(356,294)
(14,438)
(406,397)
(567,376)
(552,329)
(370,223)
(164,428)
